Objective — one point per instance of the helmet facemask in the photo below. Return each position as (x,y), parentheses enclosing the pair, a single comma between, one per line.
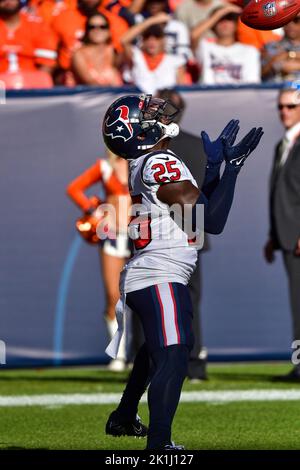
(157,112)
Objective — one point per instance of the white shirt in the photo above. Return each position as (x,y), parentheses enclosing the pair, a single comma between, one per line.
(178,39)
(164,254)
(288,142)
(163,76)
(191,12)
(222,65)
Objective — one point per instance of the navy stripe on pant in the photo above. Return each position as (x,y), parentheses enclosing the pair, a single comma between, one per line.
(165,311)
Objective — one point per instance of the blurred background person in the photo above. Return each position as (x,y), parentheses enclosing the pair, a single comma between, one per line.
(27,48)
(192,12)
(46,9)
(177,35)
(281,59)
(190,149)
(113,176)
(69,26)
(225,60)
(205,28)
(95,63)
(150,66)
(285,206)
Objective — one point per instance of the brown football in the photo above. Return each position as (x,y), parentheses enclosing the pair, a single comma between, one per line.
(266,15)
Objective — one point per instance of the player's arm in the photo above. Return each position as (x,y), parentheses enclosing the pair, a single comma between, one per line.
(217,150)
(217,202)
(181,192)
(215,154)
(216,209)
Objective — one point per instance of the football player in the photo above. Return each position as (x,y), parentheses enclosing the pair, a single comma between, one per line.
(153,283)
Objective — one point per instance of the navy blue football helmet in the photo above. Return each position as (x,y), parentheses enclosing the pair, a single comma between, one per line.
(133,124)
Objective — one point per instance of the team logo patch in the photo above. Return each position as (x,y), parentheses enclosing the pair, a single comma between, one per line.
(270,9)
(120,127)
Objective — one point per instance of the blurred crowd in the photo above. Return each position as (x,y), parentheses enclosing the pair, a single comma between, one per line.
(152,44)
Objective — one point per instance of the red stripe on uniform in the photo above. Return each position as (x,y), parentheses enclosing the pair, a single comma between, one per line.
(162,315)
(175,312)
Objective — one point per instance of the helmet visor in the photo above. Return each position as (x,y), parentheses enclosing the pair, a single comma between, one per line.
(156,109)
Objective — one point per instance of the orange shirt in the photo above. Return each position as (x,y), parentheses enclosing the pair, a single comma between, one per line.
(254,37)
(46,9)
(100,172)
(115,6)
(153,61)
(32,43)
(69,25)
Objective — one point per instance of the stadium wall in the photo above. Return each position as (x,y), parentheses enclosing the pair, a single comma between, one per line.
(51,294)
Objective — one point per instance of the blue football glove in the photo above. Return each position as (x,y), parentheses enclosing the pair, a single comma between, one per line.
(236,155)
(215,149)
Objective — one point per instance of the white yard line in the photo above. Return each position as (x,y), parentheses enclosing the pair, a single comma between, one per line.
(226,396)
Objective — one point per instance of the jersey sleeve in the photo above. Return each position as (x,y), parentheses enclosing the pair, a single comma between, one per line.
(165,168)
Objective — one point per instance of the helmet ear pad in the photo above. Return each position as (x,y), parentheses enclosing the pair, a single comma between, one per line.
(170,130)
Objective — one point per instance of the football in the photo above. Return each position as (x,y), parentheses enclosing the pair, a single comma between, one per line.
(267,15)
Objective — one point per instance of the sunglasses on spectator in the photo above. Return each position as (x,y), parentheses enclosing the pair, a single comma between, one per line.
(296,20)
(288,106)
(97,26)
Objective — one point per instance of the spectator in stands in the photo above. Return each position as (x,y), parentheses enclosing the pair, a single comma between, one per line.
(46,9)
(281,59)
(226,61)
(192,12)
(151,66)
(255,37)
(69,25)
(26,42)
(176,32)
(284,233)
(95,63)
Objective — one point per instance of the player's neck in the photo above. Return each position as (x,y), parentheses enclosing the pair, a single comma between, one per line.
(162,145)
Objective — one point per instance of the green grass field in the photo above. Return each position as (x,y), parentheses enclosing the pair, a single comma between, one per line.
(259,424)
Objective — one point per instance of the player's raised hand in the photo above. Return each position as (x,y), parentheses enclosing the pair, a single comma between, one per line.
(215,149)
(236,155)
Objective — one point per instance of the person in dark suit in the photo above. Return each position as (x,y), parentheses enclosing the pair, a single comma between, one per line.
(285,206)
(190,149)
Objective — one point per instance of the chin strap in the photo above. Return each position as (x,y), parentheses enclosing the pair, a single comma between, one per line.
(169,130)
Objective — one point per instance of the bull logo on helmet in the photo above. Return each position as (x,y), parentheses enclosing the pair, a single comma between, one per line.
(120,127)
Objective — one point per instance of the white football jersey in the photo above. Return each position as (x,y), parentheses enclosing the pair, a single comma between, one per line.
(162,251)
